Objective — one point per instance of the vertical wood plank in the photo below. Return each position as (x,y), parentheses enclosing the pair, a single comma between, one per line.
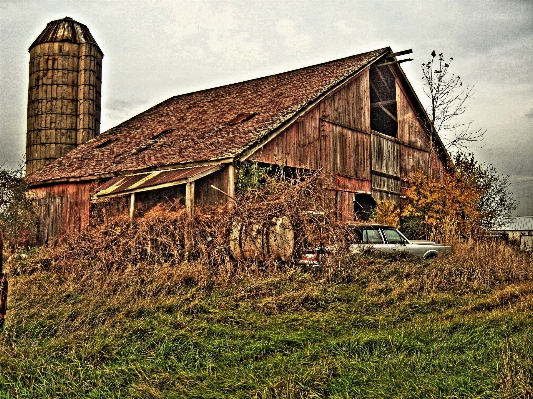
(132,205)
(189,205)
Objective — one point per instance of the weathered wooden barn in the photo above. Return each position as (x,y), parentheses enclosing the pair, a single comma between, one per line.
(357,119)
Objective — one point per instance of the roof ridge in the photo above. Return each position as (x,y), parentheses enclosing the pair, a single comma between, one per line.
(281,73)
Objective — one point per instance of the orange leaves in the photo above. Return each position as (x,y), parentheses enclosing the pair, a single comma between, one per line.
(447,209)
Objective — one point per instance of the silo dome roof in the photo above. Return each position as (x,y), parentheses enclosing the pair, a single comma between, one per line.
(65,30)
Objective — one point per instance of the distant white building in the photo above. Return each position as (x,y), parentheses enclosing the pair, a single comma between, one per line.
(519,229)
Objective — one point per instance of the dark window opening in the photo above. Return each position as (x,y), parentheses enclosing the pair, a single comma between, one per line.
(240,118)
(104,143)
(254,175)
(289,174)
(169,196)
(364,206)
(383,114)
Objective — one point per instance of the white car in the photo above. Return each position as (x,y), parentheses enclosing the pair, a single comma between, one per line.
(380,238)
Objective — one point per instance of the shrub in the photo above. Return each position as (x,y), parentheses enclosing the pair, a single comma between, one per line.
(18,219)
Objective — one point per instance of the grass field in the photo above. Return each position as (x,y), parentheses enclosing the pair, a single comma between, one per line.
(363,327)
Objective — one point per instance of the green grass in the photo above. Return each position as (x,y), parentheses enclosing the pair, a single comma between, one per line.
(288,334)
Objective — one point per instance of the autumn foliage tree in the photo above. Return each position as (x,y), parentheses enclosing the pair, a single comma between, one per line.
(18,219)
(386,212)
(470,199)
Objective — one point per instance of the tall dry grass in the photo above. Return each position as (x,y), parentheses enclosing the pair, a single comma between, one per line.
(147,257)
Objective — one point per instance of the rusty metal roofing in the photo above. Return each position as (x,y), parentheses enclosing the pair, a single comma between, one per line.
(65,30)
(122,185)
(201,126)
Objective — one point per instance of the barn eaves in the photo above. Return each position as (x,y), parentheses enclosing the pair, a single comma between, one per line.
(125,185)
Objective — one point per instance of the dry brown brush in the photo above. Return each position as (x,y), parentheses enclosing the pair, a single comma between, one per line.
(482,267)
(148,257)
(149,254)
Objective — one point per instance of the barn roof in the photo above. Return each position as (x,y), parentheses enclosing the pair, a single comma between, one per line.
(208,126)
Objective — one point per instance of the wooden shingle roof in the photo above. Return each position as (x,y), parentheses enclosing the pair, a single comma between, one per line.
(210,125)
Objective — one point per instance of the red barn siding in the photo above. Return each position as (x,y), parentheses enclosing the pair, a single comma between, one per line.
(437,167)
(410,130)
(326,131)
(385,167)
(334,136)
(204,194)
(349,106)
(63,208)
(412,161)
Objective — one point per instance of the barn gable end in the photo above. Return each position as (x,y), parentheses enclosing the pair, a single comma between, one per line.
(369,143)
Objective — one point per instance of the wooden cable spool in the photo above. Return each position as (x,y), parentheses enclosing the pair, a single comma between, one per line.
(262,241)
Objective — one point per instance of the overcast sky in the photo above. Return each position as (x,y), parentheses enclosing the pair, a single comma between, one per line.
(157,49)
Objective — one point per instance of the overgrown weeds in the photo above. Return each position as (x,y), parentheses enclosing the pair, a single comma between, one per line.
(123,311)
(147,257)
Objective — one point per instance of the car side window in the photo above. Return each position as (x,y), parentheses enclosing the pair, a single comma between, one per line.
(392,236)
(372,237)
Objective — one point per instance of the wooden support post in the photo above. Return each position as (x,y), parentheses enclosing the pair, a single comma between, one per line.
(189,205)
(132,205)
(3,285)
(231,186)
(189,199)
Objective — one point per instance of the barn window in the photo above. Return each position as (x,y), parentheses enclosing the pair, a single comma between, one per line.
(383,116)
(364,205)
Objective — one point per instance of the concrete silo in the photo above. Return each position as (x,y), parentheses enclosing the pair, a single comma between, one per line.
(64,96)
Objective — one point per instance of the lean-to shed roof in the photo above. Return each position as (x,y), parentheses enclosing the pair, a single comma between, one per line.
(210,125)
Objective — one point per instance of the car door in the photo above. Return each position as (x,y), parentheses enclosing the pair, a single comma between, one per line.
(393,240)
(372,238)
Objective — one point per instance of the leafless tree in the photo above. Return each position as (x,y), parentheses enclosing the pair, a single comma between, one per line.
(449,99)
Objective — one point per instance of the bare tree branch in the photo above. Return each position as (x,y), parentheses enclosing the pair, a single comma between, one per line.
(449,100)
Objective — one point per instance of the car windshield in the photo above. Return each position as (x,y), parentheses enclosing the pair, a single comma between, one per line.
(392,236)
